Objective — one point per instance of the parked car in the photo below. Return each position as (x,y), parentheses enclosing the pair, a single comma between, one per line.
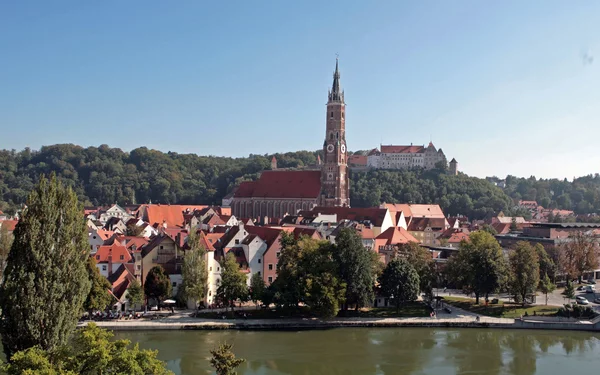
(580,287)
(597,300)
(592,281)
(589,289)
(582,300)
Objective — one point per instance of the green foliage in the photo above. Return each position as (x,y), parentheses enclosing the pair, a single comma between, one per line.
(420,258)
(135,294)
(158,285)
(6,240)
(194,271)
(547,265)
(524,270)
(99,297)
(461,194)
(92,352)
(308,272)
(576,311)
(357,267)
(224,361)
(104,175)
(579,254)
(479,266)
(233,282)
(46,280)
(569,291)
(257,288)
(400,281)
(324,290)
(546,286)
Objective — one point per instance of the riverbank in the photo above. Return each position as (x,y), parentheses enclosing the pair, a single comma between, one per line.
(459,319)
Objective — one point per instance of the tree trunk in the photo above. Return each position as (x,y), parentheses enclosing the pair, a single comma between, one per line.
(546,299)
(477,298)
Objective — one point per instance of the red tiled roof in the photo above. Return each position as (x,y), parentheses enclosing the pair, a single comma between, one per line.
(104,234)
(172,214)
(223,210)
(373,152)
(114,250)
(455,235)
(501,228)
(9,224)
(402,149)
(269,235)
(130,241)
(419,224)
(394,236)
(282,184)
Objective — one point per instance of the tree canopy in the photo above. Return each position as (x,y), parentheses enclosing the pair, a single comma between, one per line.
(400,281)
(194,271)
(479,267)
(524,269)
(46,280)
(99,297)
(158,285)
(233,282)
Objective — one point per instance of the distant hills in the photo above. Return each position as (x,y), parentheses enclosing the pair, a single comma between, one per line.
(104,175)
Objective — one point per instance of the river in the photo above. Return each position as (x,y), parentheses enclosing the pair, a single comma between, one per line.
(381,351)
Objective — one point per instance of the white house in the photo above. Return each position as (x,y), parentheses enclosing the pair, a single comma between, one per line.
(114,211)
(254,249)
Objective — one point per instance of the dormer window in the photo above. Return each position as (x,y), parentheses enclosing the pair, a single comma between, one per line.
(122,257)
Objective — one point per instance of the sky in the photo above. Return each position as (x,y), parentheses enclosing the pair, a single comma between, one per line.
(510,87)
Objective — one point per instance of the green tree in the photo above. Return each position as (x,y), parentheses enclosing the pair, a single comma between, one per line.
(287,289)
(158,285)
(547,265)
(46,278)
(6,240)
(99,297)
(356,268)
(135,294)
(323,290)
(257,288)
(420,258)
(569,291)
(524,271)
(547,286)
(224,361)
(92,352)
(233,282)
(400,281)
(194,271)
(479,267)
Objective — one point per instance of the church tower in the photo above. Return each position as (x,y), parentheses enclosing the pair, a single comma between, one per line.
(335,188)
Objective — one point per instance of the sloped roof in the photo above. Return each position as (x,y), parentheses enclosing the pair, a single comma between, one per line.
(114,250)
(418,224)
(9,224)
(455,235)
(357,159)
(282,184)
(426,210)
(172,214)
(120,281)
(394,236)
(501,228)
(402,149)
(374,215)
(104,234)
(267,234)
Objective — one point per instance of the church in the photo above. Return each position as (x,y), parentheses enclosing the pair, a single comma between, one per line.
(280,192)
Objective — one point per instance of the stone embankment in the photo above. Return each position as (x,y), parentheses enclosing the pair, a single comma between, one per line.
(461,321)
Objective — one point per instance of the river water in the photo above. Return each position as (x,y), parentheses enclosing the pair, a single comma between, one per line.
(398,351)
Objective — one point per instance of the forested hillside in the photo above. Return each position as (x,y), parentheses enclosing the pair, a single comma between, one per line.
(104,175)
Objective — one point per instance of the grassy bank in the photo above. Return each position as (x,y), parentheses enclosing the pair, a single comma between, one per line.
(502,309)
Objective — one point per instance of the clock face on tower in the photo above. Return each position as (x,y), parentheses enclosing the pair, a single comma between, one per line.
(330,148)
(343,149)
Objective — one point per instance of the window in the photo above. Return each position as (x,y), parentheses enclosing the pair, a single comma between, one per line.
(258,260)
(139,267)
(122,257)
(270,279)
(103,268)
(278,254)
(270,267)
(237,242)
(174,284)
(210,269)
(218,269)
(162,247)
(331,114)
(97,257)
(258,273)
(91,247)
(94,237)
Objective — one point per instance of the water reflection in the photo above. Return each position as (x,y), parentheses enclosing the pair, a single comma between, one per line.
(380,351)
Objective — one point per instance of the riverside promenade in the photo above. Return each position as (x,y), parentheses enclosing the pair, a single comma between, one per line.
(457,319)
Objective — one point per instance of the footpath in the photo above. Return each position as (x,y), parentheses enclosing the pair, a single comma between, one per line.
(457,319)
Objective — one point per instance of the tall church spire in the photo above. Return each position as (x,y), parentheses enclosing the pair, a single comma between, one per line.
(336,94)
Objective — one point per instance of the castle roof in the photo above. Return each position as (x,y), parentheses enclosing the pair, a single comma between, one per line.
(402,149)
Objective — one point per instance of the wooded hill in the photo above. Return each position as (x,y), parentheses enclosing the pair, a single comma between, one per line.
(104,175)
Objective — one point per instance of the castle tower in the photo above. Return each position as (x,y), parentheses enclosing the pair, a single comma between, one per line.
(453,170)
(335,188)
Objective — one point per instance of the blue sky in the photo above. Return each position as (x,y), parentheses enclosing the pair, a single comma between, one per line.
(504,87)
